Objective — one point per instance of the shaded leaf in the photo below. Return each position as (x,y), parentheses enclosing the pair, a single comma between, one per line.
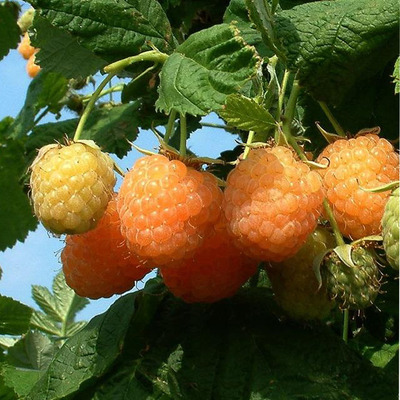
(15,209)
(46,90)
(112,127)
(222,63)
(261,14)
(14,316)
(332,43)
(9,30)
(87,354)
(25,362)
(246,114)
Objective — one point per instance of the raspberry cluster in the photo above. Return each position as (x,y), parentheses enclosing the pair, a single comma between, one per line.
(207,242)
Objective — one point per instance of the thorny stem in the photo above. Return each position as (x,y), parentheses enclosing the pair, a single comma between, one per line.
(182,144)
(288,119)
(90,106)
(151,55)
(248,142)
(42,115)
(116,88)
(170,125)
(338,129)
(282,94)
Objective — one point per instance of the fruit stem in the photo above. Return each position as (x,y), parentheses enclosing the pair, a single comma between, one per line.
(217,126)
(282,94)
(248,142)
(336,231)
(346,325)
(182,144)
(152,55)
(338,129)
(288,119)
(90,106)
(170,125)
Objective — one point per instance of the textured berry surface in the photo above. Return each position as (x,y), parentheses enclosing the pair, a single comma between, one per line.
(390,229)
(167,208)
(98,263)
(294,283)
(71,186)
(353,287)
(25,48)
(31,68)
(366,161)
(215,271)
(272,203)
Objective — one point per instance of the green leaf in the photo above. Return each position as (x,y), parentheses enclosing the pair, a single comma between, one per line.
(222,63)
(60,308)
(396,76)
(14,316)
(19,380)
(335,43)
(46,90)
(9,30)
(110,29)
(15,209)
(246,114)
(60,52)
(87,354)
(45,324)
(112,127)
(46,301)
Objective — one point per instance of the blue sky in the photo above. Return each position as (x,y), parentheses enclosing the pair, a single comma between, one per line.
(36,261)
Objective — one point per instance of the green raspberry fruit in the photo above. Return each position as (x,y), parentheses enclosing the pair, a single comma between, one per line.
(352,287)
(294,283)
(390,229)
(71,186)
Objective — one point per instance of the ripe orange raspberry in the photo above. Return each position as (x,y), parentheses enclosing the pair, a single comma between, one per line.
(294,282)
(71,186)
(25,48)
(31,68)
(98,263)
(215,271)
(272,202)
(362,162)
(166,208)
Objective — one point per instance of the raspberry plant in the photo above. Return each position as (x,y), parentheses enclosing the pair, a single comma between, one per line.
(310,91)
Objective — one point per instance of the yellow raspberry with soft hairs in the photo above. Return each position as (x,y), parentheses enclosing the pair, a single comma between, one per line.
(71,186)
